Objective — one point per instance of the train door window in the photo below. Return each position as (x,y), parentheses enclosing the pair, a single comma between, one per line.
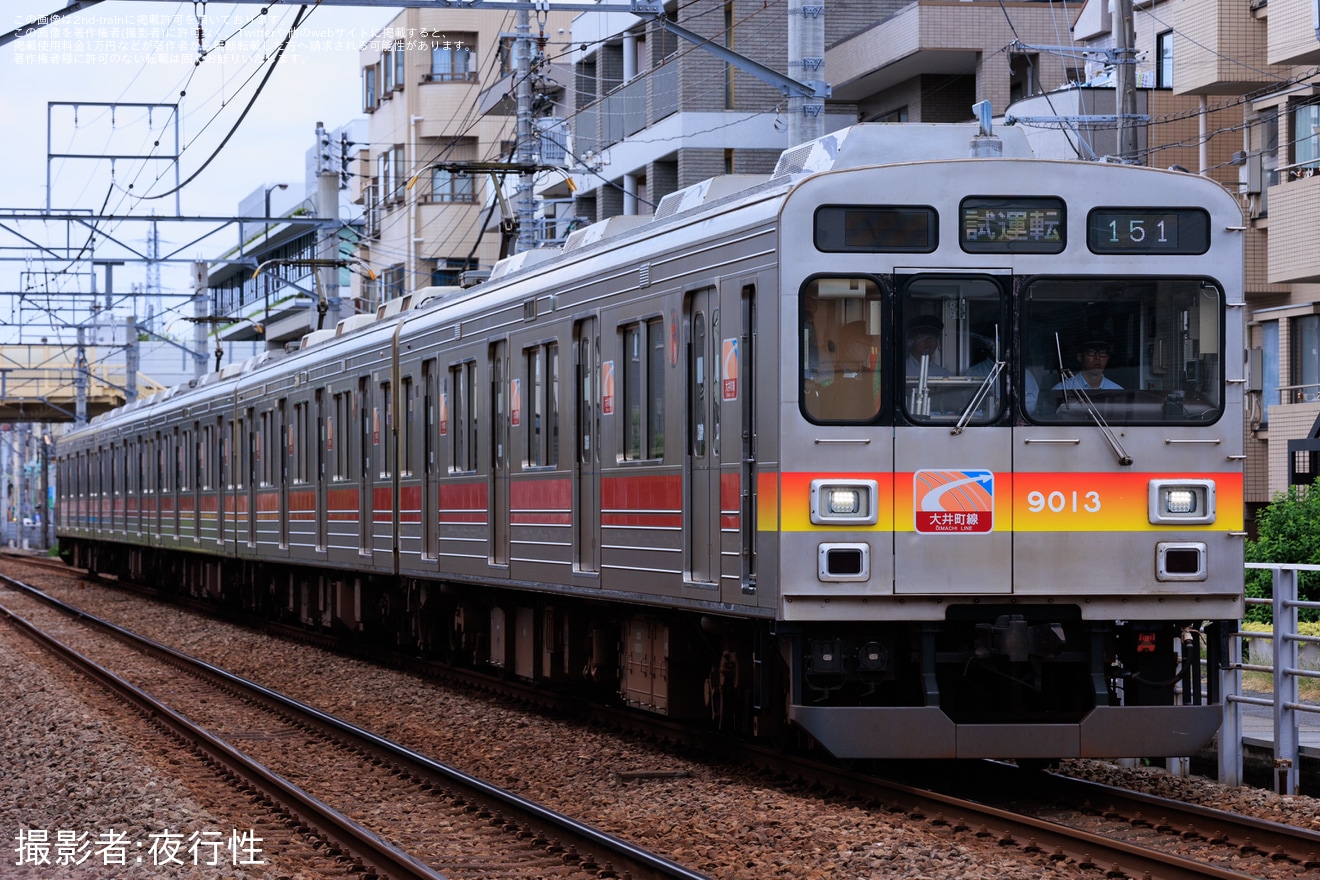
(260,443)
(406,465)
(339,451)
(382,429)
(1136,350)
(181,446)
(463,443)
(282,448)
(205,441)
(643,390)
(954,334)
(162,463)
(535,424)
(297,443)
(430,432)
(224,468)
(841,366)
(368,428)
(114,482)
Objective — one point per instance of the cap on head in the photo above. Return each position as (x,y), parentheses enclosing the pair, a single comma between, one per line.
(1097,341)
(925,325)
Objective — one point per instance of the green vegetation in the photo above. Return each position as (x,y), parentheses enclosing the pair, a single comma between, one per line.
(1288,531)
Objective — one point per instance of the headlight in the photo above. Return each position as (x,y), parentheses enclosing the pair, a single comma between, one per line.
(1182,501)
(844,502)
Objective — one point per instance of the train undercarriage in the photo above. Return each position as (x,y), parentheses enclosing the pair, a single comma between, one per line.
(1009,682)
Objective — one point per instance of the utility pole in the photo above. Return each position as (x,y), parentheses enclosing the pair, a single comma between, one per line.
(80,381)
(327,197)
(1125,80)
(806,61)
(526,200)
(200,311)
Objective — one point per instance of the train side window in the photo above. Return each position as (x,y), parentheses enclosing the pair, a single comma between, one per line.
(841,346)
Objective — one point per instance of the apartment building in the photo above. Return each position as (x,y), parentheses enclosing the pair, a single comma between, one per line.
(424,179)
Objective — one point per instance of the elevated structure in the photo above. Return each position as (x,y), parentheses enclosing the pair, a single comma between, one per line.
(39,384)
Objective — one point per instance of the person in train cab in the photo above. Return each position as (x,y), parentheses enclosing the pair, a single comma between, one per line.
(1092,360)
(923,340)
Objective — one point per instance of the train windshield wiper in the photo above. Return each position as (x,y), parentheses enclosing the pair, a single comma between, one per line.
(978,397)
(1066,376)
(1085,400)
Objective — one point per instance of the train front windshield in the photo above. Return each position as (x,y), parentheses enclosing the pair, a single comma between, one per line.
(1139,350)
(1136,351)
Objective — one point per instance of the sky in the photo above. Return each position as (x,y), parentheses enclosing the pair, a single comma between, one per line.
(133,52)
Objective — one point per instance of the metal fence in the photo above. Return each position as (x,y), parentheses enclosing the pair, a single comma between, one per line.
(1288,673)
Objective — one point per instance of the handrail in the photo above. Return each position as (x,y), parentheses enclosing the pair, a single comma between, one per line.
(1286,669)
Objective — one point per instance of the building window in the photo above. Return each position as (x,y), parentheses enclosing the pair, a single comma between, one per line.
(1306,139)
(1023,80)
(508,61)
(1306,358)
(450,186)
(391,66)
(1269,368)
(899,115)
(454,58)
(448,273)
(1164,56)
(369,89)
(393,284)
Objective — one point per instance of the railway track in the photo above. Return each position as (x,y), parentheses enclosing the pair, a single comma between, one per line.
(380,809)
(1097,831)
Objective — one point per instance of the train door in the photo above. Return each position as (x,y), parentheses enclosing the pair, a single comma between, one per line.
(282,446)
(156,483)
(430,462)
(320,444)
(199,481)
(366,528)
(498,530)
(177,454)
(953,449)
(701,472)
(586,491)
(251,454)
(745,359)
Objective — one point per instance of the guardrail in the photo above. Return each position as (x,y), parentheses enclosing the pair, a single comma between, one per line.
(1286,702)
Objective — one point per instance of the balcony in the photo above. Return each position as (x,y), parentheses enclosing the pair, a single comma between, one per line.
(1220,48)
(1294,217)
(1292,32)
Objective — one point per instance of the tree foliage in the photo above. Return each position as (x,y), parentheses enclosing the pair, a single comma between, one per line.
(1288,530)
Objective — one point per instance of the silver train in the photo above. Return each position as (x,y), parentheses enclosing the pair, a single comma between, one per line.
(900,455)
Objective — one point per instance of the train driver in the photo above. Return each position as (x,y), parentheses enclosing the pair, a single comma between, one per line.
(923,341)
(1092,359)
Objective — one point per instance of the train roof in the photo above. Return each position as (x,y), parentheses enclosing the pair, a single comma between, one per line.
(852,147)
